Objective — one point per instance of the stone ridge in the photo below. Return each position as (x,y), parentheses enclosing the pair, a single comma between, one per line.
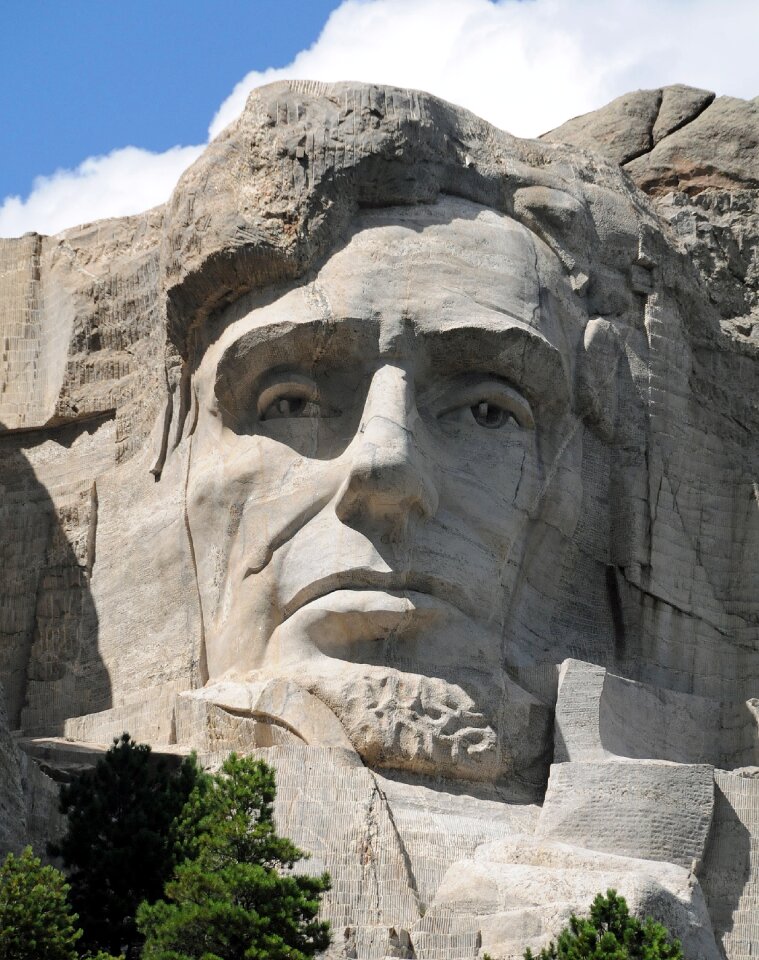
(675,138)
(697,157)
(634,123)
(714,149)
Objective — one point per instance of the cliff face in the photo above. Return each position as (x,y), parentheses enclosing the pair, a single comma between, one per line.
(696,156)
(12,806)
(564,485)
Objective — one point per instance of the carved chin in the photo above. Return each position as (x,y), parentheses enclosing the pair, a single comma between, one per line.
(390,666)
(425,725)
(412,723)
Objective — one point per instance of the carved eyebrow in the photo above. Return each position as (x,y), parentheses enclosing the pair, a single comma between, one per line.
(517,352)
(288,344)
(488,305)
(267,335)
(268,339)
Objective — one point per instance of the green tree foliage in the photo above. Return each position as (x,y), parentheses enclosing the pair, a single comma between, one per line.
(235,896)
(120,845)
(610,933)
(36,920)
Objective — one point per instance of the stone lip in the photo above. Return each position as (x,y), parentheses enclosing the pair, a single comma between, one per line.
(364,584)
(349,623)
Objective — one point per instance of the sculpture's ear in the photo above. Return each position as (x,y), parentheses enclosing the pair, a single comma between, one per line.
(598,377)
(177,418)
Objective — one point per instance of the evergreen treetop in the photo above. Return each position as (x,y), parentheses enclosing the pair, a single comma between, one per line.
(235,896)
(36,920)
(610,933)
(120,845)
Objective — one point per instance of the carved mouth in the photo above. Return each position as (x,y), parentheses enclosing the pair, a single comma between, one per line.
(408,630)
(398,584)
(365,626)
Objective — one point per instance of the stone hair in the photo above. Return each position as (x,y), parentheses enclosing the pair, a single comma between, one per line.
(276,190)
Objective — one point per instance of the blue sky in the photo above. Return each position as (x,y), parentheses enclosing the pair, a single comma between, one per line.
(81,77)
(105,102)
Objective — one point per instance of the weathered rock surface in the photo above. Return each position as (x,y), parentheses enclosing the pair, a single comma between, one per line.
(714,149)
(421,461)
(696,157)
(600,716)
(523,891)
(634,123)
(648,809)
(12,813)
(729,874)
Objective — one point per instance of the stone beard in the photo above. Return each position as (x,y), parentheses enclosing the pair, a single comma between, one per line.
(367,484)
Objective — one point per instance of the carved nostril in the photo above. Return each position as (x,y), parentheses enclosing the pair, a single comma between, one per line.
(388,477)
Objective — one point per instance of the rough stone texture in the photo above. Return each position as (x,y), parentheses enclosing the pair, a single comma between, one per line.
(522,892)
(648,809)
(631,125)
(679,105)
(12,813)
(729,875)
(601,716)
(388,446)
(717,148)
(698,163)
(621,130)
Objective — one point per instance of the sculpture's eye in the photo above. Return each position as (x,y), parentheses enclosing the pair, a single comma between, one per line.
(286,407)
(490,415)
(490,403)
(292,398)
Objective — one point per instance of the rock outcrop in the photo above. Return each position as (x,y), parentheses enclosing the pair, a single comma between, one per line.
(697,157)
(12,807)
(421,461)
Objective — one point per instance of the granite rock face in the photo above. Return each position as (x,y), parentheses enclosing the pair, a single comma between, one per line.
(12,808)
(421,461)
(696,157)
(632,125)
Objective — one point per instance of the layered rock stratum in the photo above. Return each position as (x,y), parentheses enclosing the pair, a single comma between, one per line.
(422,461)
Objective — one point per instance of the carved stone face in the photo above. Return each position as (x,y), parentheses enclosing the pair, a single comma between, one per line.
(372,460)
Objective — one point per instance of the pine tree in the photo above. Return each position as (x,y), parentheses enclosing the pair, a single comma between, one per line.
(36,920)
(235,896)
(120,847)
(610,933)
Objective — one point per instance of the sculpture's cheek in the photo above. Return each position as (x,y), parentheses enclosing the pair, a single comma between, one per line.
(243,503)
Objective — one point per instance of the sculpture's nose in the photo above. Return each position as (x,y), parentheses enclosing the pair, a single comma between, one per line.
(388,475)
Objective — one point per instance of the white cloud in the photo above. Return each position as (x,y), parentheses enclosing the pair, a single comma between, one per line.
(122,182)
(528,66)
(525,65)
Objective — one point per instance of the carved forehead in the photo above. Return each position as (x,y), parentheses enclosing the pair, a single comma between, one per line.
(269,199)
(437,266)
(423,261)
